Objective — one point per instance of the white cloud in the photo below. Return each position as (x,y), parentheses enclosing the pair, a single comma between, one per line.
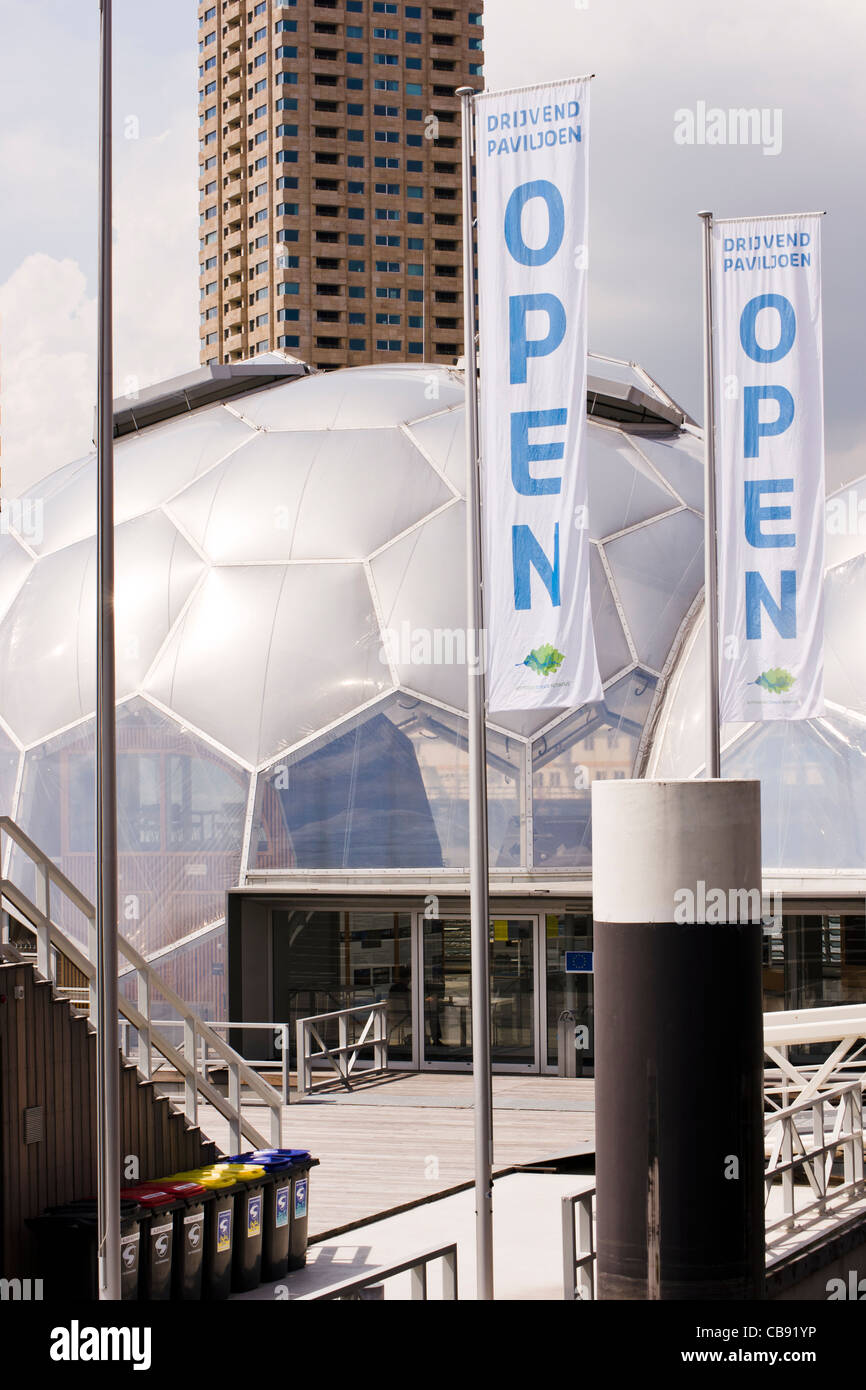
(48,318)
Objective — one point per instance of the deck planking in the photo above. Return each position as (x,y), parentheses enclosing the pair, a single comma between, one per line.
(410,1137)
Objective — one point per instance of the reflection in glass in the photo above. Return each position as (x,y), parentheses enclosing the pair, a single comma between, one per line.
(181,809)
(325,961)
(448,989)
(387,790)
(600,741)
(568,992)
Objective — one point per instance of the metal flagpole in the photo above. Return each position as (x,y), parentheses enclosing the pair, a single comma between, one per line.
(107,1053)
(478,865)
(711,561)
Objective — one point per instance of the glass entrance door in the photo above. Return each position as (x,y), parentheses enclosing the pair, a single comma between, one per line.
(447,990)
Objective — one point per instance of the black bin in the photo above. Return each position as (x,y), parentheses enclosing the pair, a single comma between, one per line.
(66,1240)
(189,1238)
(158,1209)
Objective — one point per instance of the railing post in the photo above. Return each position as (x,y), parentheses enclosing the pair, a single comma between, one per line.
(380,1048)
(190,1041)
(235,1106)
(342,1045)
(585,1288)
(285,1050)
(418,1281)
(569,1251)
(301,1061)
(145,1057)
(787,1155)
(449,1276)
(43,934)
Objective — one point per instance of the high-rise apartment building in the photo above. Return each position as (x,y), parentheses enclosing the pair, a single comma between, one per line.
(330,177)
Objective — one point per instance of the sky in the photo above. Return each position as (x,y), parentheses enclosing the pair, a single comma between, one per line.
(651,61)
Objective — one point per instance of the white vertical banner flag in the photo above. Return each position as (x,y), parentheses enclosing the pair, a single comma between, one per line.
(770,467)
(531,161)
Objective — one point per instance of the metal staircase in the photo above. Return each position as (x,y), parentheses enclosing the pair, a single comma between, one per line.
(145,1041)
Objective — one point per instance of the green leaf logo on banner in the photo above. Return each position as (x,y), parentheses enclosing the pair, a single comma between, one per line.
(776,680)
(544,661)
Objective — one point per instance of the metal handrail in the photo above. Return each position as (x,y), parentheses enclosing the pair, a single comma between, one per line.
(343,1057)
(578,1247)
(790,1153)
(416,1267)
(50,938)
(281,1042)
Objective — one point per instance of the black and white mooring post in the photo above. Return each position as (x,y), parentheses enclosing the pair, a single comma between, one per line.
(679,1039)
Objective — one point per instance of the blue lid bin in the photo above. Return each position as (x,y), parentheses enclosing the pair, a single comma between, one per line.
(286,1207)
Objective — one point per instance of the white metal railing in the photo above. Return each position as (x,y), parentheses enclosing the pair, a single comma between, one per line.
(343,1058)
(51,940)
(416,1268)
(804,1138)
(578,1246)
(807,1137)
(209,1063)
(843,1025)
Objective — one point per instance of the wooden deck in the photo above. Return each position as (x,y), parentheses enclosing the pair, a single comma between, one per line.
(409,1136)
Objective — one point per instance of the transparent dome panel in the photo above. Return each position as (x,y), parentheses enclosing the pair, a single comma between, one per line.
(358,398)
(680,460)
(180,818)
(611,646)
(48,641)
(599,741)
(288,648)
(623,490)
(15,565)
(9,758)
(443,439)
(845,634)
(420,582)
(813,790)
(845,524)
(679,748)
(386,790)
(323,495)
(658,571)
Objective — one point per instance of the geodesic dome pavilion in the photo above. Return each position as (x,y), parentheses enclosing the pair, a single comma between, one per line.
(291,685)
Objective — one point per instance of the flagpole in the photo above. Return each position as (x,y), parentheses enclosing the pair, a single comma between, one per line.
(478,859)
(107,1054)
(711,562)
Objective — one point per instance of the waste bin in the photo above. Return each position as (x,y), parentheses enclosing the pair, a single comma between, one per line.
(249,1222)
(219,1229)
(157,1239)
(189,1237)
(290,1168)
(278,1208)
(66,1238)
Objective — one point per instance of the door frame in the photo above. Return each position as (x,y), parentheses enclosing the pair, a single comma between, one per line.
(534,1068)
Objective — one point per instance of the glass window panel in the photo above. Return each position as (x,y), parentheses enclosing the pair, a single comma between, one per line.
(181,810)
(813,790)
(386,790)
(567,992)
(599,741)
(324,961)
